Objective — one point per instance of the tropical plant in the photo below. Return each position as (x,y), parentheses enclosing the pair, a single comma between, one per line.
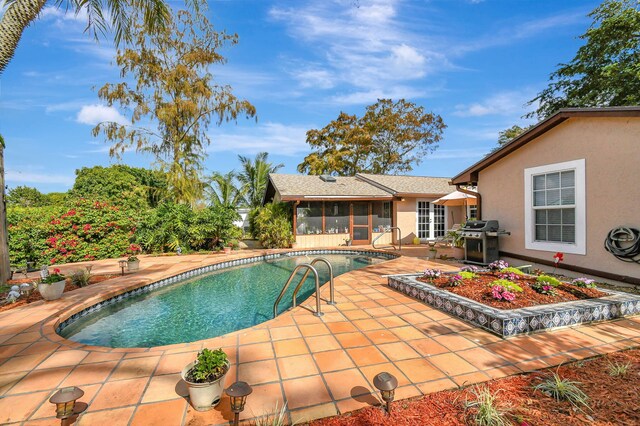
(53,277)
(563,390)
(210,365)
(548,280)
(222,190)
(273,225)
(254,176)
(391,137)
(584,282)
(605,70)
(175,90)
(101,17)
(617,369)
(487,410)
(81,277)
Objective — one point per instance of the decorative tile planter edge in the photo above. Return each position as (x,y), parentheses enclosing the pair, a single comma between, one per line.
(508,323)
(187,275)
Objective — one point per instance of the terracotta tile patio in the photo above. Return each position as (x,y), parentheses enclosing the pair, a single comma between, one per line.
(319,366)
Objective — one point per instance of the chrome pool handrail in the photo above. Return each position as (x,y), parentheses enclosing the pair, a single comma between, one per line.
(318,311)
(332,299)
(373,243)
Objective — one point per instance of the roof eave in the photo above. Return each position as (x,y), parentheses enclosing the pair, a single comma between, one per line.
(470,175)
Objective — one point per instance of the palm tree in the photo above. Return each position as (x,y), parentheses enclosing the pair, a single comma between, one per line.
(4,243)
(254,177)
(223,190)
(102,15)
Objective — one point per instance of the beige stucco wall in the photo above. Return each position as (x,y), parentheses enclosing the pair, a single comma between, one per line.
(611,149)
(321,240)
(406,217)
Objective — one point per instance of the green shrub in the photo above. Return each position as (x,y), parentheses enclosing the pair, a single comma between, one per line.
(272,225)
(507,285)
(563,390)
(547,280)
(210,365)
(81,277)
(466,275)
(512,270)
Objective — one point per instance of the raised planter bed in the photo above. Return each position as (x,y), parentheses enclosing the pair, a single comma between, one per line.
(511,322)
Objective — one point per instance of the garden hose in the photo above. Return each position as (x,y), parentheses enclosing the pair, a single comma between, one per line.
(624,243)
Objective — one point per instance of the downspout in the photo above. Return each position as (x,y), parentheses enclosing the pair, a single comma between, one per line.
(475,194)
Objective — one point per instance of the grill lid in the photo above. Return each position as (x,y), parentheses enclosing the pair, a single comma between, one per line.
(481,225)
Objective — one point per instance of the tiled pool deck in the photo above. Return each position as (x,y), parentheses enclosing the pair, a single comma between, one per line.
(319,366)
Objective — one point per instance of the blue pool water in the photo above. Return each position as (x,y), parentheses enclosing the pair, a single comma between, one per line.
(206,306)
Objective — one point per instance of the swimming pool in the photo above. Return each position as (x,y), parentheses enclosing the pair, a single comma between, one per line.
(204,306)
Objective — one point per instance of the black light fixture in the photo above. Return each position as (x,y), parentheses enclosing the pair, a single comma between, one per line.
(238,393)
(66,405)
(122,264)
(386,383)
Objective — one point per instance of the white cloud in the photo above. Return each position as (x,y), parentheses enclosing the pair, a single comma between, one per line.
(451,154)
(276,138)
(367,49)
(94,114)
(56,13)
(511,103)
(27,177)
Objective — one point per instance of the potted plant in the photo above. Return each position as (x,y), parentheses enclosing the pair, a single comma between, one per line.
(432,250)
(51,287)
(227,248)
(457,243)
(133,263)
(205,378)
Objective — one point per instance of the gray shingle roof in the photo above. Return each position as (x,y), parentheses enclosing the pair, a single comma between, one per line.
(361,185)
(412,184)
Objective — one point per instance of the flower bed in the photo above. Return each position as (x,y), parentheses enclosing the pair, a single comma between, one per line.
(481,288)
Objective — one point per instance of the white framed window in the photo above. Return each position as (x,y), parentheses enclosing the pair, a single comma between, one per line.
(431,220)
(555,207)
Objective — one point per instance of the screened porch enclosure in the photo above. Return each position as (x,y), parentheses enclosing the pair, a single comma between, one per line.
(353,220)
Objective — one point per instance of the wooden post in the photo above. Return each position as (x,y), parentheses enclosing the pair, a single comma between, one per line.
(4,240)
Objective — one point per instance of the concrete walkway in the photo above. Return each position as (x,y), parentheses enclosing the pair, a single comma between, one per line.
(318,366)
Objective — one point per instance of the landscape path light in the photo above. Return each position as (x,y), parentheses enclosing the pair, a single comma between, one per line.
(65,401)
(238,393)
(122,264)
(386,383)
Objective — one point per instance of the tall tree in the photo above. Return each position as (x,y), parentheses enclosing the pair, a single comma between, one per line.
(25,196)
(391,137)
(175,90)
(606,69)
(4,239)
(254,177)
(224,191)
(102,16)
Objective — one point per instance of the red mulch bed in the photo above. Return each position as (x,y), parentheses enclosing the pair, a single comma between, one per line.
(35,295)
(479,289)
(613,400)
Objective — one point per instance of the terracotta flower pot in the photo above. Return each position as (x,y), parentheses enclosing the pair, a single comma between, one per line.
(227,250)
(133,265)
(51,291)
(204,396)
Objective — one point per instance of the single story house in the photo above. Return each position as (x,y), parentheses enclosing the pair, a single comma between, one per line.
(562,186)
(329,210)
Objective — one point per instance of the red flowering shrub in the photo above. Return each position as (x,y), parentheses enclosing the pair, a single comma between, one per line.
(90,230)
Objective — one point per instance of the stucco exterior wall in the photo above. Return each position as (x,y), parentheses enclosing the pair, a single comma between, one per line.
(611,150)
(405,218)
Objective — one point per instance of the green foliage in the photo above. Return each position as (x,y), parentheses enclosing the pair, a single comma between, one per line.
(168,85)
(54,277)
(254,177)
(223,190)
(87,230)
(210,365)
(467,275)
(547,280)
(606,69)
(272,225)
(390,137)
(127,185)
(507,285)
(25,196)
(55,198)
(487,411)
(81,277)
(507,135)
(617,369)
(278,418)
(177,225)
(563,390)
(512,270)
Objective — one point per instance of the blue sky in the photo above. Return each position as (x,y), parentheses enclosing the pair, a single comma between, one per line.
(301,62)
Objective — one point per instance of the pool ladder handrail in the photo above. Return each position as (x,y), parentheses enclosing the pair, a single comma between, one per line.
(310,268)
(373,243)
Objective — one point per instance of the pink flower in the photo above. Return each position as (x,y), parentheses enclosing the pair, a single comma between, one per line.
(86,227)
(508,296)
(56,270)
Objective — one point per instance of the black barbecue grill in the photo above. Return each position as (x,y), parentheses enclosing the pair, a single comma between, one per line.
(481,241)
